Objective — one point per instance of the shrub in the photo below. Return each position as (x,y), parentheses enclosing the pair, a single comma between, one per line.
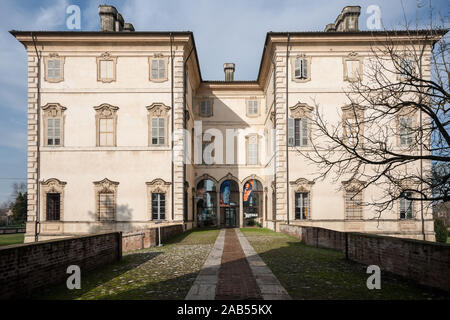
(440,230)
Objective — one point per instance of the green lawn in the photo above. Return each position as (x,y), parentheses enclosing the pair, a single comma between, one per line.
(8,239)
(165,272)
(314,273)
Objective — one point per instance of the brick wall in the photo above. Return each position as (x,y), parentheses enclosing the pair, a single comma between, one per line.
(149,237)
(425,262)
(26,267)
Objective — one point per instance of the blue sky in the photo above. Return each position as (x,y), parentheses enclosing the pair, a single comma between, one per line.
(225,31)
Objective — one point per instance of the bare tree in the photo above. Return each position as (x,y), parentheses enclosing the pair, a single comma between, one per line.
(395,126)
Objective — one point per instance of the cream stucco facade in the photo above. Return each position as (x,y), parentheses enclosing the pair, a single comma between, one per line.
(132,169)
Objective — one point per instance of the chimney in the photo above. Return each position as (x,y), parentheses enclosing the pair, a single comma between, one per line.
(228,68)
(111,20)
(346,21)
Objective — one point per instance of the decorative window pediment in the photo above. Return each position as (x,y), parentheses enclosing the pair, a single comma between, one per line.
(158,109)
(53,110)
(301,110)
(158,186)
(106,185)
(302,185)
(353,185)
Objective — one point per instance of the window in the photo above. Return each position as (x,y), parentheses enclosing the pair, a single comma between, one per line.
(53,206)
(158,131)
(106,132)
(53,120)
(406,206)
(301,205)
(158,206)
(106,121)
(301,68)
(106,68)
(405,128)
(353,205)
(158,69)
(252,108)
(252,151)
(352,70)
(53,132)
(106,206)
(206,108)
(54,68)
(406,68)
(298,132)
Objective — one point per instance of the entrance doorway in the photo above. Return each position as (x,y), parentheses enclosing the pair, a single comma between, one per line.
(229,204)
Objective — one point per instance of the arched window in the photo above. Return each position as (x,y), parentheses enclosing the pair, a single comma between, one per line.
(206,201)
(229,203)
(252,202)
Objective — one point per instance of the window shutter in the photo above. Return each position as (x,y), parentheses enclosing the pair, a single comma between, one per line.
(297,69)
(162,69)
(304,69)
(155,72)
(291,132)
(304,132)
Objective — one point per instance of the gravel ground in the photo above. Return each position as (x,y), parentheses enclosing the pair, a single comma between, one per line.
(314,273)
(165,272)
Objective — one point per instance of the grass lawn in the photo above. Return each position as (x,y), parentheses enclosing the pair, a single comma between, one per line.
(165,272)
(7,239)
(314,273)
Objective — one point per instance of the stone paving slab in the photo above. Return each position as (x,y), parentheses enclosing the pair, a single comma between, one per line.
(269,286)
(204,287)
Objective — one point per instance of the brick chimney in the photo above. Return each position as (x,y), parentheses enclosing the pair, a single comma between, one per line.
(346,21)
(111,20)
(228,68)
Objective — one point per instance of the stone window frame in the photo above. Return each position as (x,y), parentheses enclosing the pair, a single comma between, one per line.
(352,56)
(302,111)
(158,185)
(158,110)
(199,113)
(54,56)
(353,185)
(52,185)
(53,111)
(309,63)
(105,111)
(258,144)
(348,112)
(258,102)
(407,112)
(106,56)
(158,56)
(298,186)
(409,186)
(105,186)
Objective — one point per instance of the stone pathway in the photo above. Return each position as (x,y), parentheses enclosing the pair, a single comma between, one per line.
(234,271)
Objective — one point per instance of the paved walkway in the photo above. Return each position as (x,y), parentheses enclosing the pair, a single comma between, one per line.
(234,271)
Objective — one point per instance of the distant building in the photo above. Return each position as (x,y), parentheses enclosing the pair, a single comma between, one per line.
(111,102)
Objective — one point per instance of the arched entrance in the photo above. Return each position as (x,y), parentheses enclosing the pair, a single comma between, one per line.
(206,202)
(252,200)
(229,203)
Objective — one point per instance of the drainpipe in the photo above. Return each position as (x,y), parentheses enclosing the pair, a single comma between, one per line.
(37,227)
(287,122)
(172,124)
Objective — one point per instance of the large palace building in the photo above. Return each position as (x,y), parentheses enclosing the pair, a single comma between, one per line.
(108,112)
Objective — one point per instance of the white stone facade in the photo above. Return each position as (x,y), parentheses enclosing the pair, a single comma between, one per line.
(134,168)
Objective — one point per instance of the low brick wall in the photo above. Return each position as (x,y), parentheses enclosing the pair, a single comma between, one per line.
(425,262)
(26,267)
(6,230)
(149,237)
